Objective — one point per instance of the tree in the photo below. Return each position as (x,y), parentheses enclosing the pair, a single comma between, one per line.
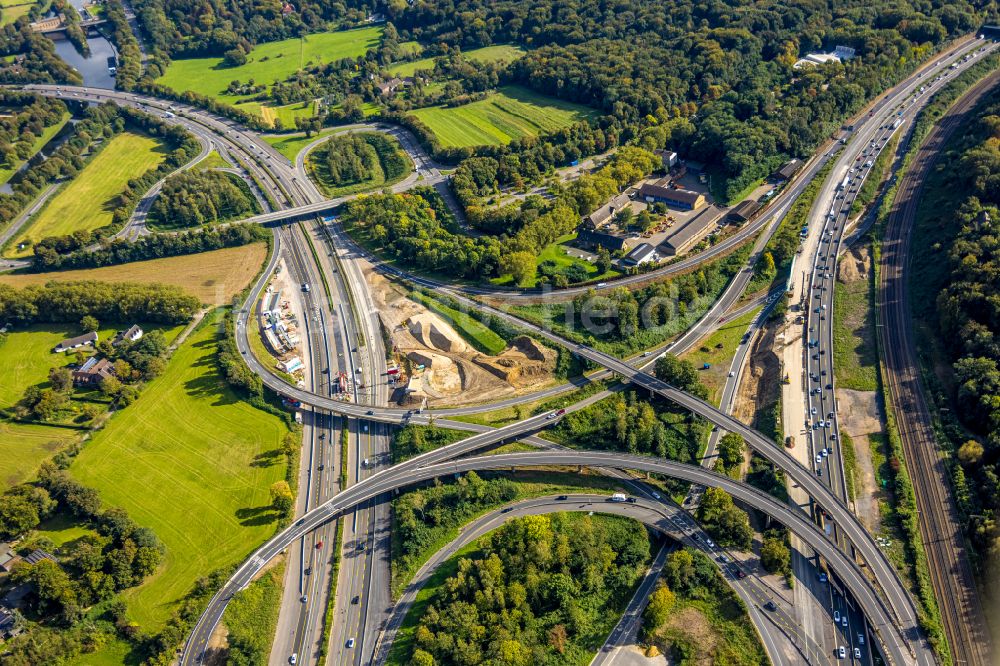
(89,324)
(775,555)
(61,380)
(521,266)
(661,602)
(281,497)
(235,57)
(729,524)
(17,516)
(603,261)
(731,449)
(970,453)
(421,658)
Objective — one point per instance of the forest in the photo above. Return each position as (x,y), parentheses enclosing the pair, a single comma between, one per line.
(367,160)
(726,67)
(967,312)
(538,590)
(194,198)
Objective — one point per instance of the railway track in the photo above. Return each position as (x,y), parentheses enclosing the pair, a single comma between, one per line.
(941,533)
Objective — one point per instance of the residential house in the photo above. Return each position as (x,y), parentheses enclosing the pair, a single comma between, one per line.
(667,157)
(37,555)
(386,88)
(131,335)
(93,372)
(675,197)
(77,342)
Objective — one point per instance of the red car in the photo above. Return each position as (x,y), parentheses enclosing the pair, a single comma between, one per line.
(319,544)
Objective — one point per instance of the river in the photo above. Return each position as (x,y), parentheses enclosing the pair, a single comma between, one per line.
(95,68)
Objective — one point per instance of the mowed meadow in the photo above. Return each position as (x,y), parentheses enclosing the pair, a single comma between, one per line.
(193,462)
(512,112)
(87,201)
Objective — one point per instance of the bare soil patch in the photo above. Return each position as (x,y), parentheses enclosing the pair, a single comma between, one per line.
(438,365)
(859,418)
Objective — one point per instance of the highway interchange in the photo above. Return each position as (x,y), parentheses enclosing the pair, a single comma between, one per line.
(887,606)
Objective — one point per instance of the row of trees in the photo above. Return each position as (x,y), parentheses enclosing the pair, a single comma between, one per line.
(193,198)
(537,591)
(110,301)
(48,256)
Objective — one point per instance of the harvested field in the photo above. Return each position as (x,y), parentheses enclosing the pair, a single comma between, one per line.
(214,277)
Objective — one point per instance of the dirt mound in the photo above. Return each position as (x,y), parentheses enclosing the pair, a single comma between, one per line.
(431,331)
(453,373)
(523,363)
(855,265)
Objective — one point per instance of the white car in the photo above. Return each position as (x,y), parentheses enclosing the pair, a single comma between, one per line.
(836,617)
(819,459)
(857,653)
(841,652)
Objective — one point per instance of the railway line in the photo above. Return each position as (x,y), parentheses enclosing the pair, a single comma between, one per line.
(941,533)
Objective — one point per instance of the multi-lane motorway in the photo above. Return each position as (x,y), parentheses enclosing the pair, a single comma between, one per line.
(285,184)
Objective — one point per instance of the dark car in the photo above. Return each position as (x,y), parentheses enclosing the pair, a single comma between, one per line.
(506,509)
(771,606)
(562,497)
(355,599)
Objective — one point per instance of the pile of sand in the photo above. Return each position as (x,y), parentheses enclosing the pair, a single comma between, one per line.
(432,332)
(454,373)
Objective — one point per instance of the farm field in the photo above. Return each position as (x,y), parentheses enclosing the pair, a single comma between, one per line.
(508,52)
(510,113)
(212,455)
(14,9)
(40,142)
(88,200)
(214,277)
(23,447)
(267,63)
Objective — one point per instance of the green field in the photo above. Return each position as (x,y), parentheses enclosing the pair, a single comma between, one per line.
(47,134)
(25,360)
(717,350)
(210,458)
(214,161)
(88,201)
(556,253)
(510,113)
(855,358)
(14,9)
(507,52)
(269,63)
(287,113)
(290,145)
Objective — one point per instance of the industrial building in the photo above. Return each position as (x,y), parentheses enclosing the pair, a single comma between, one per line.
(743,212)
(675,197)
(644,253)
(687,236)
(603,215)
